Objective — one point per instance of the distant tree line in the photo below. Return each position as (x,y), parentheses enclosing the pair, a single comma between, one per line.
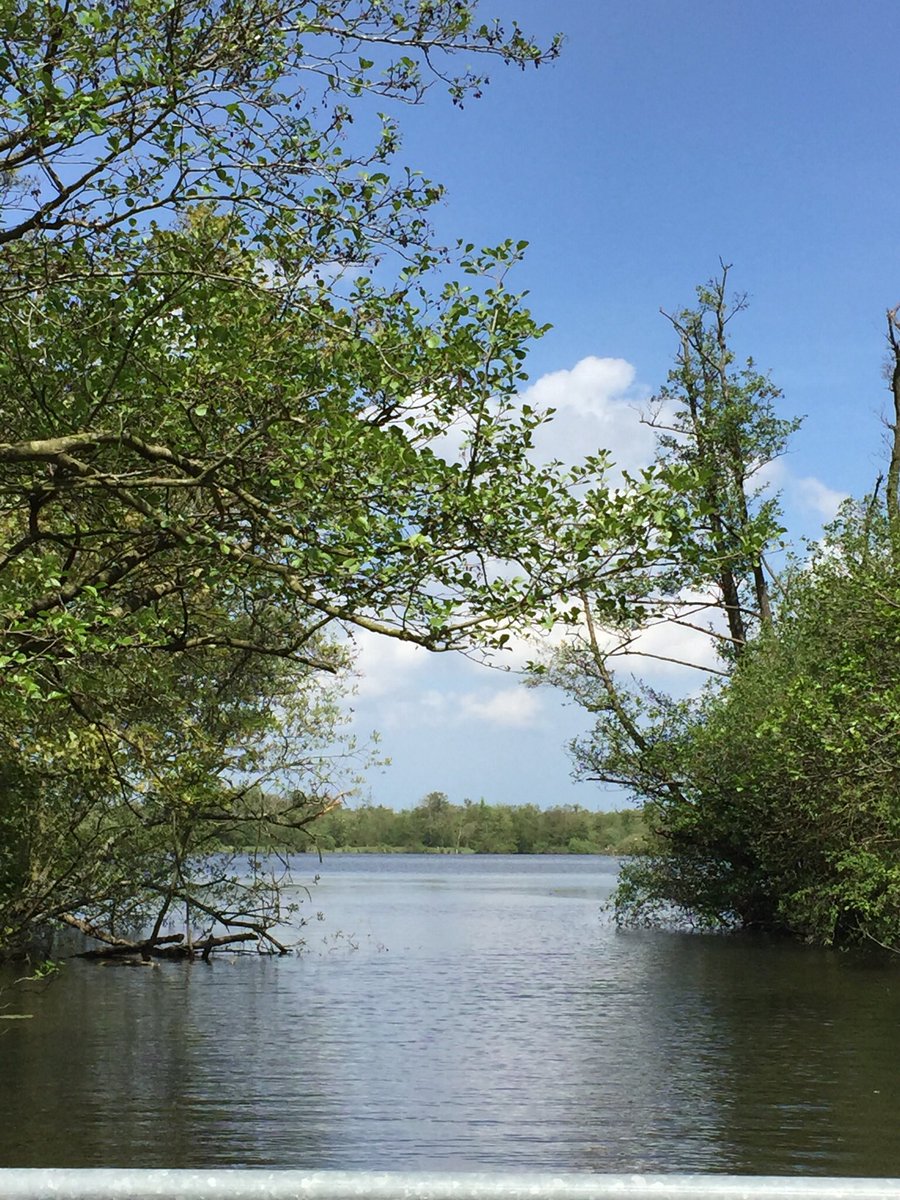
(476,827)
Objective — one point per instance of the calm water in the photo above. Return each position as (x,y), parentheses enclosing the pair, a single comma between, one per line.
(460,1012)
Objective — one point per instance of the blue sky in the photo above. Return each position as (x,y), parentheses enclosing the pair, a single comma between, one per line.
(666,137)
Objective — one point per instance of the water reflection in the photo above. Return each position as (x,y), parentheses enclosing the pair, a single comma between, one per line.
(487,1016)
(149,1067)
(804,1045)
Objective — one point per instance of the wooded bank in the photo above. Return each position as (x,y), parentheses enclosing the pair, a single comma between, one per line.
(437,826)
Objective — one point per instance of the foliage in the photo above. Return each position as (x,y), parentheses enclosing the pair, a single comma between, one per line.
(720,421)
(116,804)
(770,797)
(115,114)
(716,429)
(788,818)
(248,407)
(244,476)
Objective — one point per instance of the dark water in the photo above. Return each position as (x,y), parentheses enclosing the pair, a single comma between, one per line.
(460,1012)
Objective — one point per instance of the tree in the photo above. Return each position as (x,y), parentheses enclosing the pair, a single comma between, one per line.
(789,820)
(282,453)
(892,496)
(233,352)
(115,114)
(771,797)
(480,828)
(721,422)
(716,429)
(116,794)
(488,828)
(432,821)
(216,442)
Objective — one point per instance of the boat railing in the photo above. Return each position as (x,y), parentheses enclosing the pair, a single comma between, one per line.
(63,1183)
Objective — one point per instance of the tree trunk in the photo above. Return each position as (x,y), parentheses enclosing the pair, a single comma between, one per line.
(893,476)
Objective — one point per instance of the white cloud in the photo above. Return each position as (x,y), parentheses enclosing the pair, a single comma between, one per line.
(385,665)
(409,708)
(588,387)
(597,407)
(513,707)
(816,497)
(671,655)
(806,493)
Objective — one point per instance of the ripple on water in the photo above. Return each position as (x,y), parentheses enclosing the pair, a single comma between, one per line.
(456,1013)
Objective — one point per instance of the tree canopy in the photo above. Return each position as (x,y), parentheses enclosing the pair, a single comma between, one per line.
(248,407)
(112,114)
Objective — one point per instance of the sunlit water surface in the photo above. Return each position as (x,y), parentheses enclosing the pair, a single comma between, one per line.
(464,1012)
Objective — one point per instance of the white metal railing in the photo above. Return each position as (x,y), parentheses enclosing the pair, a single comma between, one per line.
(128,1184)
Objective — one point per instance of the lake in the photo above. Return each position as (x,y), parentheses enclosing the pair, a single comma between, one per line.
(460,1012)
